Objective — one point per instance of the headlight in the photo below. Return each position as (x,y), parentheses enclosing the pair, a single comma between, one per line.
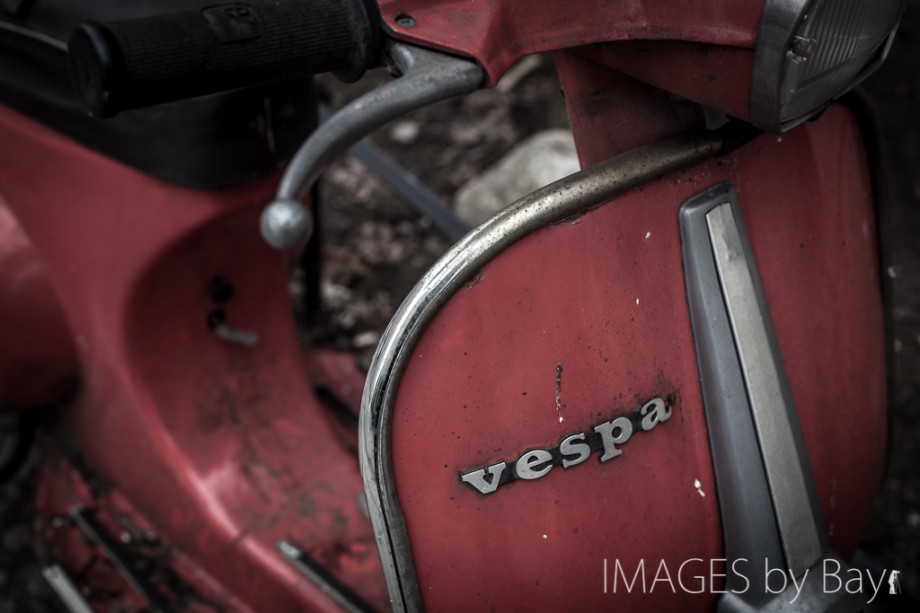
(809,52)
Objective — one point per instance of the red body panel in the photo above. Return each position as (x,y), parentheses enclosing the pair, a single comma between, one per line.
(713,76)
(221,449)
(499,32)
(612,113)
(603,296)
(38,363)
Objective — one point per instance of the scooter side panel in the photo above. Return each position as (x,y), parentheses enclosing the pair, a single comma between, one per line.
(220,449)
(38,363)
(586,321)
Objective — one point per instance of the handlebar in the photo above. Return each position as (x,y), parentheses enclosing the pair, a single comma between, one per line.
(139,62)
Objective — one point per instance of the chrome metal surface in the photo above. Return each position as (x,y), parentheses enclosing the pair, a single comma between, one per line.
(246,338)
(427,77)
(565,198)
(623,429)
(286,224)
(768,393)
(574,445)
(534,464)
(65,589)
(572,450)
(317,575)
(33,35)
(748,521)
(653,413)
(86,520)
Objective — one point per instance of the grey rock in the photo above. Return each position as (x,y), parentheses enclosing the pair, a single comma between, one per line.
(541,159)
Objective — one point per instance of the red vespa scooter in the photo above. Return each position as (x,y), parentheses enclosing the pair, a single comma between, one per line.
(634,387)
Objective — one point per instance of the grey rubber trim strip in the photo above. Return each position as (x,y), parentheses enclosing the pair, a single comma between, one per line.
(563,199)
(781,448)
(748,520)
(768,502)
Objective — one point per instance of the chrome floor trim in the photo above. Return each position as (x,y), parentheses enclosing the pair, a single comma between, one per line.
(563,199)
(92,528)
(342,595)
(65,589)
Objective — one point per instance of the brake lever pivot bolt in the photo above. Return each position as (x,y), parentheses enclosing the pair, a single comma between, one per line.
(405,21)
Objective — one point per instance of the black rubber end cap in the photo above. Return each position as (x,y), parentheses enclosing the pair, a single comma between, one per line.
(94,63)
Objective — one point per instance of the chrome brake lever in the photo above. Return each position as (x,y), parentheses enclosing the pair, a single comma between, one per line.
(427,77)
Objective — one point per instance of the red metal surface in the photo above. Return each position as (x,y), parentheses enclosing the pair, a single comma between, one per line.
(221,449)
(714,76)
(603,296)
(499,32)
(38,364)
(618,112)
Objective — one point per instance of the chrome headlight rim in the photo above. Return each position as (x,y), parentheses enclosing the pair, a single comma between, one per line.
(779,25)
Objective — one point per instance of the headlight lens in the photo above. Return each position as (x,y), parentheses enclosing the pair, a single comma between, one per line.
(809,52)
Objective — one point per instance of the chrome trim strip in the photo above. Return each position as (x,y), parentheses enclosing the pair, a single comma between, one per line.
(35,35)
(306,566)
(65,589)
(786,464)
(563,199)
(85,520)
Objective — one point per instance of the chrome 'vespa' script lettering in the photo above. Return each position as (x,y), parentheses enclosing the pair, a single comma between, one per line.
(606,437)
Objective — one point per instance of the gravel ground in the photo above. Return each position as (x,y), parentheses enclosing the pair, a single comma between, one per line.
(371,264)
(22,587)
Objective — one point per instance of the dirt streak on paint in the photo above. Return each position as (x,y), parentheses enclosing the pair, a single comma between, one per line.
(559,390)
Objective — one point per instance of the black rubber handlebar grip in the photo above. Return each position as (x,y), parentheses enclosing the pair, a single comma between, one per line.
(138,62)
